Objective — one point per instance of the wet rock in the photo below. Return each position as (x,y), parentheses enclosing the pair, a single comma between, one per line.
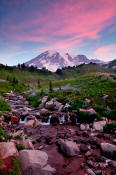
(32,124)
(25,113)
(34,162)
(83,148)
(30,117)
(90,172)
(67,106)
(54,119)
(8,149)
(98,126)
(108,149)
(98,172)
(69,148)
(91,164)
(44,111)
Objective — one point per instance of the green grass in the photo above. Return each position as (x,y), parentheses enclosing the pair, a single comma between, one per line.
(110,127)
(20,147)
(16,167)
(4,106)
(1,161)
(92,86)
(7,87)
(85,117)
(4,135)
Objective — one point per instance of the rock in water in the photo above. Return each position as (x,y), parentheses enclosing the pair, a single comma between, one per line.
(69,148)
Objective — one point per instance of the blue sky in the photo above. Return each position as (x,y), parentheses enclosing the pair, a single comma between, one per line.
(29,27)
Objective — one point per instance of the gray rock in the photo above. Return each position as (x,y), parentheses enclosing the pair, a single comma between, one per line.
(84,127)
(108,149)
(98,126)
(32,124)
(8,149)
(34,162)
(44,99)
(69,148)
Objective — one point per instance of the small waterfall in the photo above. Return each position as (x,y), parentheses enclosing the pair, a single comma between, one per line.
(68,117)
(61,119)
(48,122)
(77,122)
(23,121)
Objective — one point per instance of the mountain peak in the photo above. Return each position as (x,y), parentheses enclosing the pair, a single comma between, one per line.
(52,60)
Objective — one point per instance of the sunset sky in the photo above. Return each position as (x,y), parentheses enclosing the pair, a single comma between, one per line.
(29,27)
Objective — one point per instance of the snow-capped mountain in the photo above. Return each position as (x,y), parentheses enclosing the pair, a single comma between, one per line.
(52,60)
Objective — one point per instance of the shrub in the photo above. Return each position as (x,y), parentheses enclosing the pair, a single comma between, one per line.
(85,117)
(51,107)
(111,114)
(20,147)
(4,106)
(26,137)
(18,137)
(110,127)
(4,135)
(16,167)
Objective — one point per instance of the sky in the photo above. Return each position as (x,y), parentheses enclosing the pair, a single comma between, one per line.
(30,27)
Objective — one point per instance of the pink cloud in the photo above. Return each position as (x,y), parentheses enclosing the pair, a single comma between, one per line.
(107,52)
(77,20)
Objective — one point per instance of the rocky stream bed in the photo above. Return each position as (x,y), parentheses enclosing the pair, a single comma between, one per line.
(55,142)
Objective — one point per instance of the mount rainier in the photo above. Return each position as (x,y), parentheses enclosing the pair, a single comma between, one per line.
(52,60)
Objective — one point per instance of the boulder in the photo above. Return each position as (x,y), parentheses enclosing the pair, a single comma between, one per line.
(8,149)
(69,148)
(34,162)
(98,126)
(84,127)
(108,149)
(32,124)
(44,111)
